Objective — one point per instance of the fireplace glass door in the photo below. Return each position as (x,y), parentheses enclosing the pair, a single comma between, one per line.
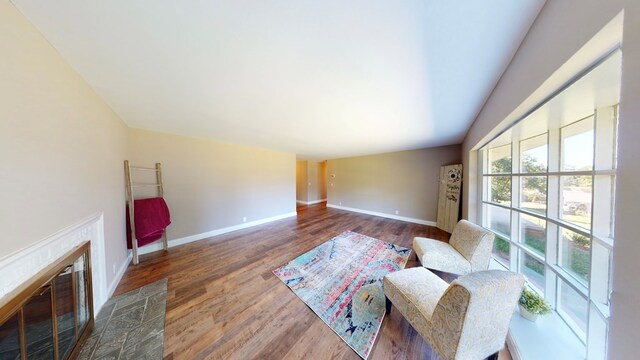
(82,298)
(52,314)
(65,314)
(10,339)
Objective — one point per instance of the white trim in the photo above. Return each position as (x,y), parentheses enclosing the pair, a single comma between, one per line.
(187,239)
(310,202)
(513,347)
(390,216)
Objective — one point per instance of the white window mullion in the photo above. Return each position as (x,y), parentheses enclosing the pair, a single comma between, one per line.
(552,255)
(554,150)
(603,185)
(598,333)
(482,163)
(515,202)
(553,205)
(602,220)
(605,121)
(553,186)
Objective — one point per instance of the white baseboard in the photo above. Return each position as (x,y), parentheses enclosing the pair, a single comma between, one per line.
(310,202)
(390,216)
(185,240)
(119,274)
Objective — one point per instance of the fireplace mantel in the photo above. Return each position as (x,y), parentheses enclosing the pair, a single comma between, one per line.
(19,267)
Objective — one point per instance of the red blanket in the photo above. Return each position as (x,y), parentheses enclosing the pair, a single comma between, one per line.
(151,218)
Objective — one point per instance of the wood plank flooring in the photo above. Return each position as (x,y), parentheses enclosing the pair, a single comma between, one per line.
(224,302)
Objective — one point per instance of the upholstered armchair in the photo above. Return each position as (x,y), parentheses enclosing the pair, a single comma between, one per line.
(467,319)
(468,250)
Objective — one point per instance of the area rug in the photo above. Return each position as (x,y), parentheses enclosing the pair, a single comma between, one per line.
(341,281)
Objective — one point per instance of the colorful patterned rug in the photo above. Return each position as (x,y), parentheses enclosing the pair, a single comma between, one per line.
(341,281)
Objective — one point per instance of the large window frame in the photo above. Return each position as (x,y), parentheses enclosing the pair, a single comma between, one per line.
(569,262)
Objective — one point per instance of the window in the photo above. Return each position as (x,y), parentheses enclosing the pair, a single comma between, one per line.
(547,194)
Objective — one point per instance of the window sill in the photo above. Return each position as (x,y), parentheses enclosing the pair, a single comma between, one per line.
(548,338)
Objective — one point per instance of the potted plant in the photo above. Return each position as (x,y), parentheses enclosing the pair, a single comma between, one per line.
(532,305)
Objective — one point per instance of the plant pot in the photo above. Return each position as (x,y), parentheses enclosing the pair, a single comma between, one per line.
(527,315)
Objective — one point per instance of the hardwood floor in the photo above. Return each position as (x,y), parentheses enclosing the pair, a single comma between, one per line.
(225,303)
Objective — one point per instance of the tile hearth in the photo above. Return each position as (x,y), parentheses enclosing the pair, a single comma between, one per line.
(129,326)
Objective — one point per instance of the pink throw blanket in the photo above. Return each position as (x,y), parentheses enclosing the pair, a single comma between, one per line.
(151,218)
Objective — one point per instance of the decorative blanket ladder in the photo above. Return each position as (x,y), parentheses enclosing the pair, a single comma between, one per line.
(130,202)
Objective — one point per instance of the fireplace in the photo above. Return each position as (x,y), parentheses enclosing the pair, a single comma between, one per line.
(48,316)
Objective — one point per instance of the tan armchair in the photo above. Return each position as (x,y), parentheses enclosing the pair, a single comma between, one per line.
(468,319)
(468,250)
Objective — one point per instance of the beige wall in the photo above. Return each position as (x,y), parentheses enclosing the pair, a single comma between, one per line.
(302,193)
(61,146)
(211,185)
(406,181)
(560,30)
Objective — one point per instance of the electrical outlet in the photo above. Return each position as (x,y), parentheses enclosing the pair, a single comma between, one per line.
(114,269)
(339,202)
(244,219)
(397,212)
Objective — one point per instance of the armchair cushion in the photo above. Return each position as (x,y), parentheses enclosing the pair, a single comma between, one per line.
(439,255)
(468,250)
(415,293)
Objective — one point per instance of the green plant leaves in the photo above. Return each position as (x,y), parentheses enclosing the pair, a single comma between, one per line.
(534,303)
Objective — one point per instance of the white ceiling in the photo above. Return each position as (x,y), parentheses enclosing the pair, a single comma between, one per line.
(322,79)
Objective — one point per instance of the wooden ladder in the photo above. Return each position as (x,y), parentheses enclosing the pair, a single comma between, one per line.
(130,185)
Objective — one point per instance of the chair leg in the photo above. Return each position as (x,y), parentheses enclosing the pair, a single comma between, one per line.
(387,305)
(494,356)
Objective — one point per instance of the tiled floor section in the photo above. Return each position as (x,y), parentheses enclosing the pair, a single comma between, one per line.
(129,326)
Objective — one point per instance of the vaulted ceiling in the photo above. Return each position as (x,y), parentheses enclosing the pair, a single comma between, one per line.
(322,79)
